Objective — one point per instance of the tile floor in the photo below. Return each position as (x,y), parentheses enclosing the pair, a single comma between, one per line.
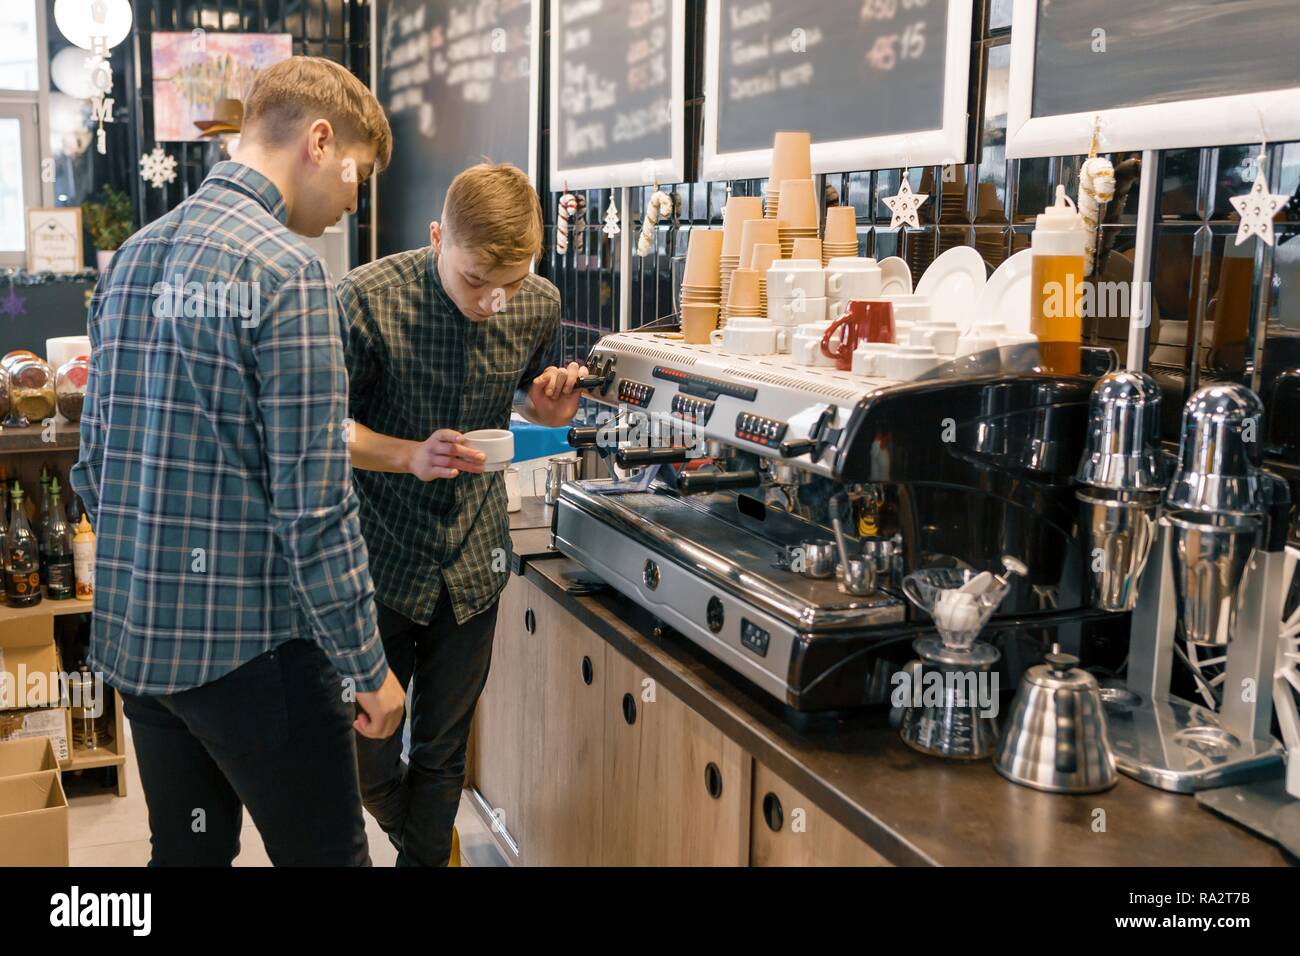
(107,830)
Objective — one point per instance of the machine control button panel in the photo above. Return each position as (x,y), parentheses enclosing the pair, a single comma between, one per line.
(692,409)
(761,431)
(703,386)
(754,637)
(636,393)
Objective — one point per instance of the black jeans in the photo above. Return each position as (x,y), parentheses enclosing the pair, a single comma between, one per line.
(444,666)
(275,735)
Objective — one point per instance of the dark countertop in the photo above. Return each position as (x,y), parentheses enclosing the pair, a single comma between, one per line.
(909,807)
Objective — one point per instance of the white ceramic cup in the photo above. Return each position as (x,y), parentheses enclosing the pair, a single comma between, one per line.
(806,346)
(498,444)
(513,500)
(852,264)
(913,308)
(746,335)
(870,358)
(941,336)
(853,283)
(907,362)
(797,311)
(788,278)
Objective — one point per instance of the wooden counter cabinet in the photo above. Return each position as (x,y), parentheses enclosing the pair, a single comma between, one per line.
(788,830)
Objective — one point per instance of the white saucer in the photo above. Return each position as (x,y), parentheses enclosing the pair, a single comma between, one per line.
(1006,297)
(895,276)
(953,282)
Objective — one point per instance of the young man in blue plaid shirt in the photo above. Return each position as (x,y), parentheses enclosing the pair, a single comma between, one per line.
(233,605)
(439,340)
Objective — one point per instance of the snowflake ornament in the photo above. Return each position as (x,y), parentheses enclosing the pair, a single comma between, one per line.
(13,304)
(158,168)
(1257,209)
(904,205)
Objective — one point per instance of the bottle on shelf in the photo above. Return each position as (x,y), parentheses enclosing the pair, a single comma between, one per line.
(22,558)
(83,556)
(60,585)
(42,528)
(4,536)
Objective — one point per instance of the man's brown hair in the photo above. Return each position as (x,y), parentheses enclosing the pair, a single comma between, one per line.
(494,210)
(304,88)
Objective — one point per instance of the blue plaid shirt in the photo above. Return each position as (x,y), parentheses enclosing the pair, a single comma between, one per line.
(213,461)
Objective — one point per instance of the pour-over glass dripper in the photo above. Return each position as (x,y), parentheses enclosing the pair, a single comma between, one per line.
(961,601)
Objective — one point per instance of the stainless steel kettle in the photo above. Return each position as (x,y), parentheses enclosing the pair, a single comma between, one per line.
(1057,739)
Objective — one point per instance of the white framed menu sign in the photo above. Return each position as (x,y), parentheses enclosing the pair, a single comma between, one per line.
(618,93)
(878,83)
(54,240)
(1159,76)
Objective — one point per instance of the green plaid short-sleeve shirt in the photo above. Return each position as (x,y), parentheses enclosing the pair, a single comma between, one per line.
(415,365)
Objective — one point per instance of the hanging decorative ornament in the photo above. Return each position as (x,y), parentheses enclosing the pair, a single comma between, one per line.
(158,168)
(101,104)
(611,227)
(904,205)
(97,25)
(580,226)
(568,206)
(659,207)
(13,304)
(1258,207)
(1096,186)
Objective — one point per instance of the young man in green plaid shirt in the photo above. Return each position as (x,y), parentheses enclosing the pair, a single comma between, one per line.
(439,340)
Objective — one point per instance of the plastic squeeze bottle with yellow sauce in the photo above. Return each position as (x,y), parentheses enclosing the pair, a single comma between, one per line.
(1055,317)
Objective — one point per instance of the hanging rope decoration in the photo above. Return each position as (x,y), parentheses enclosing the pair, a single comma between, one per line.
(1096,186)
(580,226)
(659,207)
(568,206)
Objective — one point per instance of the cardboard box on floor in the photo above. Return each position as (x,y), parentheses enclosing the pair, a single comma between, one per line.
(27,648)
(33,820)
(27,755)
(54,723)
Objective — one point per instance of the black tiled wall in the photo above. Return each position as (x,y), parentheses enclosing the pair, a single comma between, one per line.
(990,203)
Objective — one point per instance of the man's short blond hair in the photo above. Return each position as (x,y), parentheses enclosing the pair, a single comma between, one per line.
(305,88)
(492,209)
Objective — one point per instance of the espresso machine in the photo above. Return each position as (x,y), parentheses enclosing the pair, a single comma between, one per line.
(1213,580)
(773,468)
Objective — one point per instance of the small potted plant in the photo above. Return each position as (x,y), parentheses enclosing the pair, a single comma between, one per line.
(109,223)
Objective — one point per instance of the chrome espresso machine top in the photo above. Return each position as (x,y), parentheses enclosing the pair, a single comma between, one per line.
(728,544)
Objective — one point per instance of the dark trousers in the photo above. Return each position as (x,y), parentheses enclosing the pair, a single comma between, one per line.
(444,666)
(274,735)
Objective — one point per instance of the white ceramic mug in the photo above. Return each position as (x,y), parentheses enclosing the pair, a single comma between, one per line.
(806,348)
(853,283)
(907,362)
(797,311)
(788,278)
(912,308)
(870,358)
(751,336)
(498,444)
(852,264)
(941,336)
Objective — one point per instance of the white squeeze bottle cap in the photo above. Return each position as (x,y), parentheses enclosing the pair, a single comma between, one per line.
(1059,229)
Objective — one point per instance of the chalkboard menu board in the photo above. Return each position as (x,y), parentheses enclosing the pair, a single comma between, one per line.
(458,81)
(1199,72)
(617,92)
(877,82)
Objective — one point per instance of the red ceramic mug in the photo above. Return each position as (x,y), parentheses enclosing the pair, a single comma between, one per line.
(867,320)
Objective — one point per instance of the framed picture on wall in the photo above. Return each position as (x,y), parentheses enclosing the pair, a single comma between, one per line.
(193,72)
(54,240)
(1211,74)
